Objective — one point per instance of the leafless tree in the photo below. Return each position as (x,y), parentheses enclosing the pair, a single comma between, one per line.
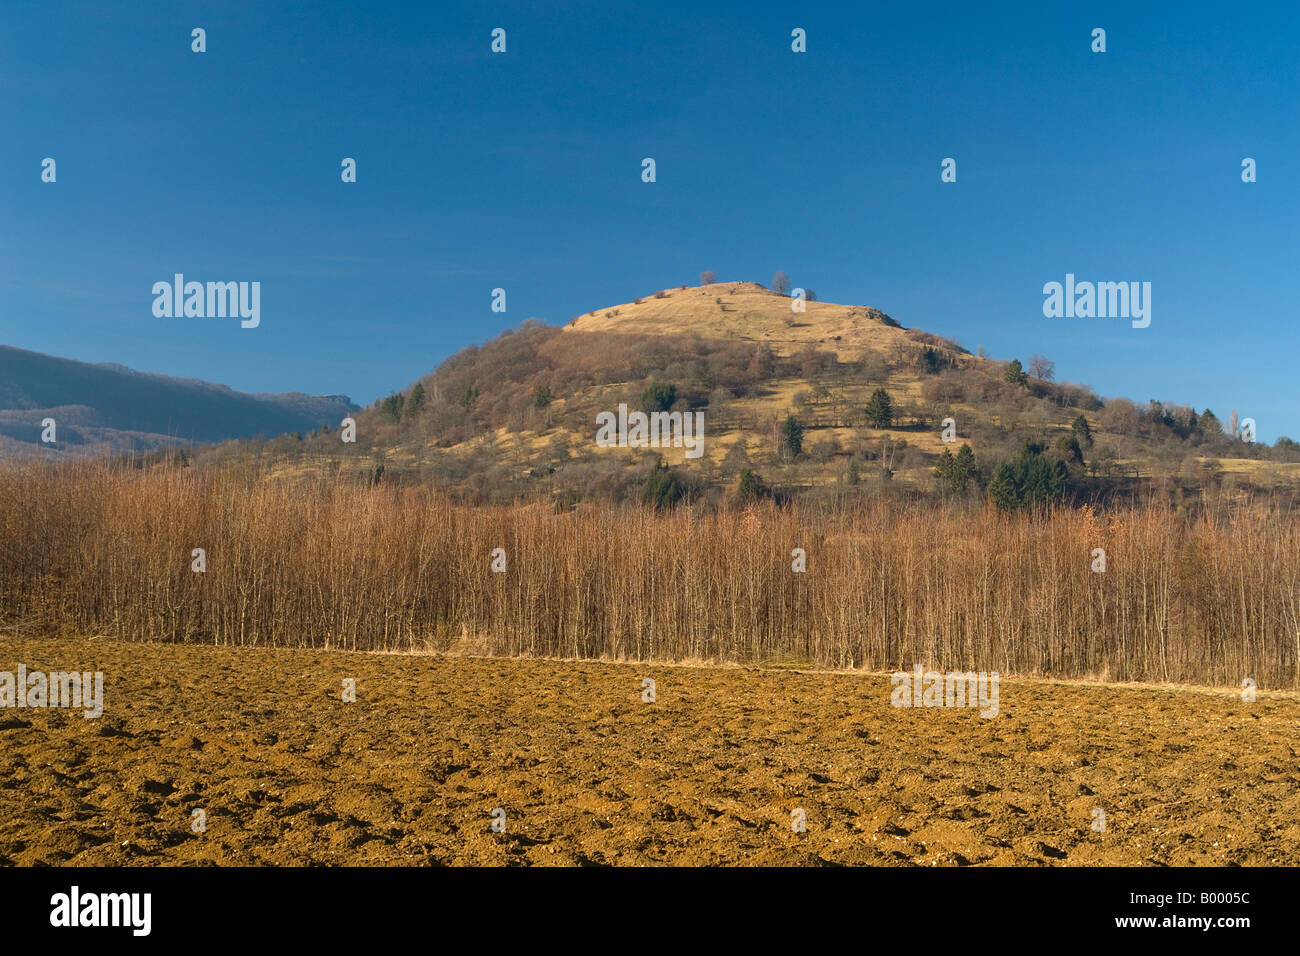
(1043,368)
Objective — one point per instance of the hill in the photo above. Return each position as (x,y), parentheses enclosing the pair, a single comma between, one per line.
(835,400)
(109,407)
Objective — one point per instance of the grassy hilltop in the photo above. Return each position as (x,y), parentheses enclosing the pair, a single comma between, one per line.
(838,400)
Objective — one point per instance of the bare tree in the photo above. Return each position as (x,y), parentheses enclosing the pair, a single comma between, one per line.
(708,277)
(1043,368)
(781,283)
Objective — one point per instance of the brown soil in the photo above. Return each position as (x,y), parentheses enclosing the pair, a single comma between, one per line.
(587,773)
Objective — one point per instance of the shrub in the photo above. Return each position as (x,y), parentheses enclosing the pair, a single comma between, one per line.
(658,397)
(662,489)
(873,367)
(1068,446)
(750,487)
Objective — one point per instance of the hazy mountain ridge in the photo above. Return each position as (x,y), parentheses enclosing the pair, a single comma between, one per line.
(110,407)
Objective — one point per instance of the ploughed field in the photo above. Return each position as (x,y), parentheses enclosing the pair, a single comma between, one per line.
(586,772)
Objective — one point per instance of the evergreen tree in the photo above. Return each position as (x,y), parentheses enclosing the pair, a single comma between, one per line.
(1032,480)
(1082,431)
(392,406)
(791,438)
(955,473)
(1210,425)
(931,361)
(1039,480)
(943,470)
(966,465)
(880,409)
(1002,489)
(416,401)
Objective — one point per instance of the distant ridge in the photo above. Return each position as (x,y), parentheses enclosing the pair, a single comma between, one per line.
(107,406)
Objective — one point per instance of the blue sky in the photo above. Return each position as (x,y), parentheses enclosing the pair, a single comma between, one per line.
(522,170)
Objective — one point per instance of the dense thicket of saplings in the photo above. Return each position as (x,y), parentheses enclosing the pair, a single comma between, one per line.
(89,548)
